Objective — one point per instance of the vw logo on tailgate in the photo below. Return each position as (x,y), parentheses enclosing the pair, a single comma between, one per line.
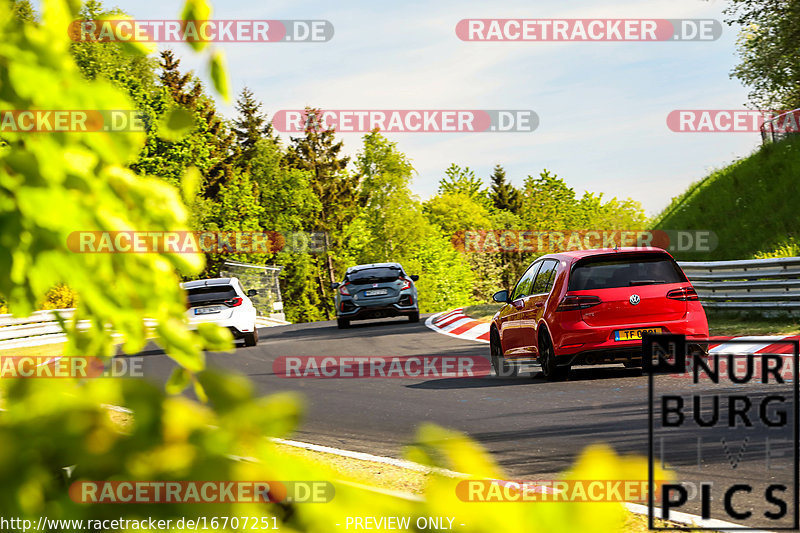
(634,299)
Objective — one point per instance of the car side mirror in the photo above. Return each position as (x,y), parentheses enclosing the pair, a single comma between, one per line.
(414,277)
(334,285)
(501,296)
(252,292)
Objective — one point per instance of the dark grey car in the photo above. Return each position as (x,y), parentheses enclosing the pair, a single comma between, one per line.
(375,291)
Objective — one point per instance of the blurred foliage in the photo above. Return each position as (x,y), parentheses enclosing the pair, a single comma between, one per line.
(52,424)
(53,184)
(447,449)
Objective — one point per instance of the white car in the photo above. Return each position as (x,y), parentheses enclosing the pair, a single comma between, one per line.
(223,302)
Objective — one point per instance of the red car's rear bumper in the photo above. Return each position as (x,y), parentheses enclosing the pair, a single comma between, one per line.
(578,343)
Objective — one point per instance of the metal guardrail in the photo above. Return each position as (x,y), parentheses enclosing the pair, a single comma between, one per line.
(762,284)
(42,328)
(39,328)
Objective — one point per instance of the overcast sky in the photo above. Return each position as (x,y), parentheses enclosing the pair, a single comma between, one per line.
(602,105)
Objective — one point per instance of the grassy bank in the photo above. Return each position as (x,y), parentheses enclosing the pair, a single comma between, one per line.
(749,205)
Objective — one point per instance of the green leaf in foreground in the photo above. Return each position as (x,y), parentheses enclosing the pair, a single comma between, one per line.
(196,10)
(219,75)
(175,124)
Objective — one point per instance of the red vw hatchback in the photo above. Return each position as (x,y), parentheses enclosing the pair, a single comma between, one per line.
(592,307)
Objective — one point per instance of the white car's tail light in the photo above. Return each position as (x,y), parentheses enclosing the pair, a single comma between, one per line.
(233,302)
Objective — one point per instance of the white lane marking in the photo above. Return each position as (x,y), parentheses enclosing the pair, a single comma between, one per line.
(400,463)
(443,317)
(746,348)
(690,519)
(457,324)
(387,492)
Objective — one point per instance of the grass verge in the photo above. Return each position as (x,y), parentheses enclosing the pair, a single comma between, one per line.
(42,350)
(483,312)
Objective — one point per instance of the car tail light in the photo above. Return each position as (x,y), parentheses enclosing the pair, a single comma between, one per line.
(406,284)
(343,290)
(684,294)
(233,302)
(575,303)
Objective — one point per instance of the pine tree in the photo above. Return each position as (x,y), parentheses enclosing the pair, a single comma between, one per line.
(504,195)
(177,83)
(250,127)
(459,180)
(220,141)
(337,189)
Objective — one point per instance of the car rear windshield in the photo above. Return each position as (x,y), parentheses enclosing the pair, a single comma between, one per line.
(374,275)
(218,293)
(608,273)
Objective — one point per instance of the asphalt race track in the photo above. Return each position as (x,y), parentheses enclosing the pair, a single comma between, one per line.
(532,427)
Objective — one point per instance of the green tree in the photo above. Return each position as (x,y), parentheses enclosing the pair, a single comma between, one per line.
(456,211)
(288,203)
(300,287)
(391,213)
(446,280)
(614,214)
(286,197)
(318,152)
(237,209)
(461,181)
(504,195)
(212,137)
(768,50)
(548,203)
(250,126)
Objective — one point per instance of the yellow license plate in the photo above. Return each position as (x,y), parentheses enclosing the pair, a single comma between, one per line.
(633,334)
